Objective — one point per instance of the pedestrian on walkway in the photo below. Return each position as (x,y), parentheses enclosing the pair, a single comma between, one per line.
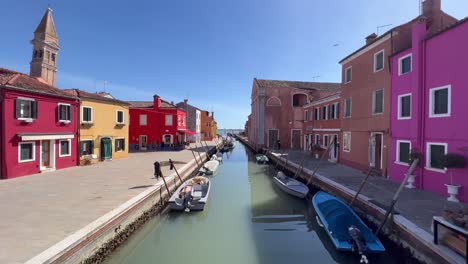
(278,144)
(157,170)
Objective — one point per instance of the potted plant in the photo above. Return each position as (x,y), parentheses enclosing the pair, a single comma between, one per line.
(414,155)
(453,161)
(315,148)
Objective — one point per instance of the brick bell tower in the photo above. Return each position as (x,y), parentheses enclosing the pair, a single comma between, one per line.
(45,50)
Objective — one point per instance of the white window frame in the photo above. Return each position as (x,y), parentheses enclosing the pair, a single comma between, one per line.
(350,107)
(428,156)
(346,74)
(115,140)
(317,139)
(397,158)
(117,117)
(325,142)
(344,142)
(383,60)
(306,115)
(58,113)
(374,94)
(69,148)
(172,120)
(335,114)
(82,114)
(317,115)
(26,99)
(432,101)
(400,105)
(327,110)
(146,120)
(33,151)
(401,68)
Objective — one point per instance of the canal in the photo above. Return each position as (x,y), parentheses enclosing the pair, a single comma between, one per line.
(247,220)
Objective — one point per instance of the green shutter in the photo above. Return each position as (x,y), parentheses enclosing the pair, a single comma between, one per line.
(17,108)
(34,109)
(91,151)
(81,148)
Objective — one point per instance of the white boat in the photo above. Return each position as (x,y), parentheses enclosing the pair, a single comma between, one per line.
(209,168)
(290,185)
(218,158)
(191,195)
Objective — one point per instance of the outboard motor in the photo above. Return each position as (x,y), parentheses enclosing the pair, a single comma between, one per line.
(358,243)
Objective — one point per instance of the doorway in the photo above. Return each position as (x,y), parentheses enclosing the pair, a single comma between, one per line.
(375,150)
(106,149)
(334,149)
(273,136)
(143,142)
(296,139)
(47,155)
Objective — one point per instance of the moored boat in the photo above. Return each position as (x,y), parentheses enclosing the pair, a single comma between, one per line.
(209,168)
(291,185)
(191,195)
(344,227)
(260,158)
(216,157)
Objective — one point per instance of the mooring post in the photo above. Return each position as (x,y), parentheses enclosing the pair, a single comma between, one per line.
(172,166)
(361,187)
(195,157)
(165,184)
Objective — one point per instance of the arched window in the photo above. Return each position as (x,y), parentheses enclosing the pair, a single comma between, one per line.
(35,54)
(274,101)
(41,53)
(299,100)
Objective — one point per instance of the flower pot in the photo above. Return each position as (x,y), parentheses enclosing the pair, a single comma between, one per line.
(452,190)
(411,180)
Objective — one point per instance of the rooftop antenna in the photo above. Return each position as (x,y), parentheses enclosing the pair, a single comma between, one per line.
(382,26)
(315,77)
(105,82)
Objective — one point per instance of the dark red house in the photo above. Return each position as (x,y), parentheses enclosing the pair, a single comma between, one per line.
(38,130)
(156,122)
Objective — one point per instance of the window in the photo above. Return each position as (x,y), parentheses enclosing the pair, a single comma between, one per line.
(403,151)
(41,53)
(324,113)
(332,111)
(404,106)
(325,141)
(299,100)
(179,120)
(306,115)
(26,151)
(143,120)
(379,61)
(377,102)
(53,56)
(64,148)
(87,115)
(168,120)
(48,55)
(317,113)
(336,112)
(119,144)
(347,107)
(348,73)
(120,117)
(64,112)
(435,152)
(25,108)
(440,101)
(404,64)
(347,141)
(86,147)
(317,139)
(35,54)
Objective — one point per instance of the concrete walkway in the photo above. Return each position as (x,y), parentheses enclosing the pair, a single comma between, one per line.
(40,210)
(416,205)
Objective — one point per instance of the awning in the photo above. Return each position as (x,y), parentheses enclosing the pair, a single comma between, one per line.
(186,131)
(44,136)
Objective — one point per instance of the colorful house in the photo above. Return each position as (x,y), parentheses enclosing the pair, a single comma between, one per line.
(103,127)
(157,124)
(366,91)
(428,111)
(193,120)
(207,131)
(322,124)
(277,111)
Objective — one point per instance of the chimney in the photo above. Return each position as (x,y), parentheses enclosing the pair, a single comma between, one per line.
(212,115)
(430,5)
(371,38)
(156,101)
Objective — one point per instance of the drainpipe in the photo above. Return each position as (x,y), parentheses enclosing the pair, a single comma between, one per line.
(78,116)
(422,108)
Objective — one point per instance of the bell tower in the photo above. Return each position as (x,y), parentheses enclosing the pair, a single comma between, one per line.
(45,50)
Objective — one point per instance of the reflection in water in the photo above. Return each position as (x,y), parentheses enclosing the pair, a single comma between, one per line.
(247,220)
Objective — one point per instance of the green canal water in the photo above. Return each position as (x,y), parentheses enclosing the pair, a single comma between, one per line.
(247,220)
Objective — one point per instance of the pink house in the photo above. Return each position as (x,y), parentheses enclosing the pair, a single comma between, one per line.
(39,128)
(429,108)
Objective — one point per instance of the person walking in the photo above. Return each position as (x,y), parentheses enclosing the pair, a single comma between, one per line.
(157,170)
(278,144)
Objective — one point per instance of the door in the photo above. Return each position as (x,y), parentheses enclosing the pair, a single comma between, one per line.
(334,149)
(273,136)
(296,139)
(106,148)
(143,142)
(306,142)
(375,150)
(45,153)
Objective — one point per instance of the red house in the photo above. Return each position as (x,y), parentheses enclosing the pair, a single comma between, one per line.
(156,122)
(38,130)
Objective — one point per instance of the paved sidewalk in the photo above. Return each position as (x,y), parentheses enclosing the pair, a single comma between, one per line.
(40,210)
(416,205)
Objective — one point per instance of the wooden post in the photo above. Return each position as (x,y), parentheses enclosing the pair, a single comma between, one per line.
(165,184)
(172,166)
(361,187)
(301,166)
(320,161)
(207,149)
(195,158)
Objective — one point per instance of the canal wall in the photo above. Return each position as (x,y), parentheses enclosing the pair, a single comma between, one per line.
(398,229)
(95,241)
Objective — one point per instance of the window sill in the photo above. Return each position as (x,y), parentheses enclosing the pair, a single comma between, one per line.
(376,114)
(22,161)
(64,156)
(401,163)
(87,123)
(403,73)
(378,70)
(438,115)
(404,118)
(435,170)
(26,120)
(65,121)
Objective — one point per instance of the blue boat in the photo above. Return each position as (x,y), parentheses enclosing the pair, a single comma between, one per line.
(340,222)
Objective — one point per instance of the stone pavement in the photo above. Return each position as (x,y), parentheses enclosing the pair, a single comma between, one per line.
(416,205)
(37,211)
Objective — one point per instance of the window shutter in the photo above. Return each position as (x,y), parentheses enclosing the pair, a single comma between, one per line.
(81,148)
(91,146)
(338,110)
(69,114)
(34,109)
(17,108)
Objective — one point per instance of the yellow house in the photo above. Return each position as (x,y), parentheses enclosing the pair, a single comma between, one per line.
(103,129)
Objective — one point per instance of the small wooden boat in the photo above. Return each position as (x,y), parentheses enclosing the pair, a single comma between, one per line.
(290,185)
(216,157)
(344,227)
(191,195)
(260,158)
(209,168)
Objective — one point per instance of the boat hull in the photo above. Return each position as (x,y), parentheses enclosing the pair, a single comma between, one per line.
(298,192)
(197,204)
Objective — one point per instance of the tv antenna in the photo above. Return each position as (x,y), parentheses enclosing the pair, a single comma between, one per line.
(382,26)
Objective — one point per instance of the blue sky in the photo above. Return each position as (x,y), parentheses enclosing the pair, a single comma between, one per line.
(207,51)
